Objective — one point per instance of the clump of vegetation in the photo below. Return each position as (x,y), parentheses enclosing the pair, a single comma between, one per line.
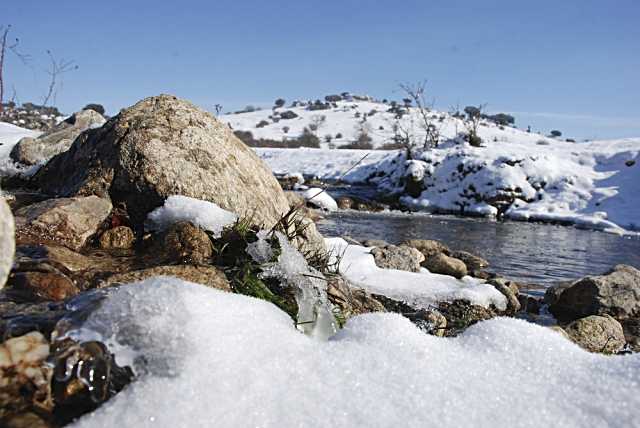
(362,143)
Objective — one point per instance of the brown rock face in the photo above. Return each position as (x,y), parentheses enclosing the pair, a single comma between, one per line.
(427,247)
(205,275)
(120,237)
(597,334)
(445,265)
(44,285)
(184,242)
(165,146)
(69,221)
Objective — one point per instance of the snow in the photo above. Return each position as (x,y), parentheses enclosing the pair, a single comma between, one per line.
(178,208)
(234,361)
(419,289)
(9,137)
(320,199)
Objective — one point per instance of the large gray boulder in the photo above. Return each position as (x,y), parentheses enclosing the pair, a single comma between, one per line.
(616,293)
(165,146)
(397,257)
(7,241)
(33,151)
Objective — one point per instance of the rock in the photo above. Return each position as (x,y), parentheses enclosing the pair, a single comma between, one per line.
(120,237)
(427,247)
(69,221)
(344,203)
(445,265)
(205,275)
(54,286)
(431,322)
(529,304)
(375,243)
(473,262)
(508,290)
(400,258)
(460,315)
(165,146)
(351,301)
(616,293)
(33,151)
(560,330)
(184,242)
(7,241)
(596,333)
(552,294)
(631,327)
(24,377)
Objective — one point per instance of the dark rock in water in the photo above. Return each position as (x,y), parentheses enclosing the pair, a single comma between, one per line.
(616,293)
(596,333)
(184,242)
(164,146)
(68,221)
(529,304)
(400,258)
(445,265)
(631,328)
(351,301)
(359,204)
(205,275)
(119,237)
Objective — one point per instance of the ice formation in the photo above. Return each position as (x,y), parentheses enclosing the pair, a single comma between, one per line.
(177,208)
(320,199)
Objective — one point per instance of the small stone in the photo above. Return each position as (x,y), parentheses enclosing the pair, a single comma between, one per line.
(445,265)
(351,301)
(344,203)
(473,262)
(53,286)
(596,333)
(428,247)
(185,242)
(120,237)
(508,290)
(400,258)
(205,275)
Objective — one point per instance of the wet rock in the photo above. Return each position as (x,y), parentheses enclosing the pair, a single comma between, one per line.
(359,204)
(445,265)
(631,328)
(17,319)
(509,290)
(400,258)
(7,241)
(431,322)
(52,286)
(69,221)
(375,243)
(344,203)
(596,333)
(32,151)
(616,293)
(529,304)
(427,247)
(164,146)
(184,242)
(474,263)
(120,237)
(350,300)
(85,375)
(552,294)
(24,377)
(205,275)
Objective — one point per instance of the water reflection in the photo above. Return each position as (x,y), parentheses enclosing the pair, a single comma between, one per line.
(528,252)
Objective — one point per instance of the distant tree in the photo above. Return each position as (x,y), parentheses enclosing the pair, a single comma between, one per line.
(280,102)
(218,108)
(555,133)
(502,119)
(262,124)
(308,139)
(57,68)
(285,129)
(316,121)
(416,92)
(333,98)
(407,102)
(98,108)
(474,116)
(473,112)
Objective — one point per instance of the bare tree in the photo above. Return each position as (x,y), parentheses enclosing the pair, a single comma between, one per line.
(416,92)
(474,116)
(57,68)
(11,47)
(316,121)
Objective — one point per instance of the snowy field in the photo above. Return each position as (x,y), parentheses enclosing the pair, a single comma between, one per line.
(239,361)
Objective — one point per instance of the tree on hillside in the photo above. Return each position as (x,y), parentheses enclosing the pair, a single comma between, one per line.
(280,102)
(57,68)
(474,115)
(12,47)
(416,92)
(555,133)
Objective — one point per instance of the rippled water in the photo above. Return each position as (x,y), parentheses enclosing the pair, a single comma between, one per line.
(528,252)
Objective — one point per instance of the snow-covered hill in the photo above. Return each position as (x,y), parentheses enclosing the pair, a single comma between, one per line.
(345,121)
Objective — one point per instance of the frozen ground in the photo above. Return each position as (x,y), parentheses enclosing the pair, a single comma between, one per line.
(236,361)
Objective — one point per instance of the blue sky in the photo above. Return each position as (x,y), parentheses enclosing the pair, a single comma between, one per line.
(572,65)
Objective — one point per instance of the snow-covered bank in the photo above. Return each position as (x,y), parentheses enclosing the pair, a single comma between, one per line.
(420,290)
(9,136)
(594,184)
(239,361)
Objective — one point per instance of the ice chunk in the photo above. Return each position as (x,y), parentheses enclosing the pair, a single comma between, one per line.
(177,208)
